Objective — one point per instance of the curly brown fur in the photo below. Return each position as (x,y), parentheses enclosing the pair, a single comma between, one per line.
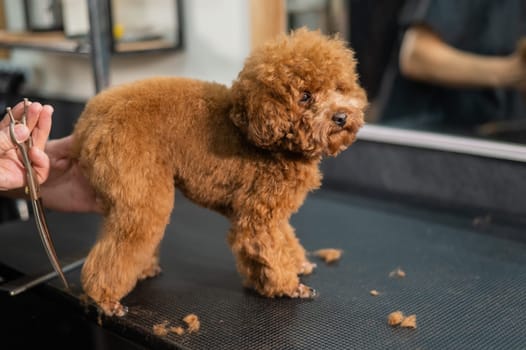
(250,152)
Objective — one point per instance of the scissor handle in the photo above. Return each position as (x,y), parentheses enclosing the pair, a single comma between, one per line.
(32,183)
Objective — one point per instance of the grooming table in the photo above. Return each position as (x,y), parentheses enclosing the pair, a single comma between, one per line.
(465,280)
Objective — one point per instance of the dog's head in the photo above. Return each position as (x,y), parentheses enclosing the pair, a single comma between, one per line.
(300,94)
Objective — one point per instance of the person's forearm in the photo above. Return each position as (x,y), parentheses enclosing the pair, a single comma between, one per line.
(425,57)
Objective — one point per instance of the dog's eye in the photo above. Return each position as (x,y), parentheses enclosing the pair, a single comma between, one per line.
(305,97)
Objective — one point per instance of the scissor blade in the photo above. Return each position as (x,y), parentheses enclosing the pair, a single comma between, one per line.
(46,239)
(22,284)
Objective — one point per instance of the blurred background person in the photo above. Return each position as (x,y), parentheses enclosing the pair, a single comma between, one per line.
(458,65)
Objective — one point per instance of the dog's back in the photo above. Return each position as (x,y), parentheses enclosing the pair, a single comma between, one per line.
(148,109)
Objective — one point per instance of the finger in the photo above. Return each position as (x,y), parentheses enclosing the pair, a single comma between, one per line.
(33,114)
(41,131)
(60,148)
(6,144)
(17,111)
(40,162)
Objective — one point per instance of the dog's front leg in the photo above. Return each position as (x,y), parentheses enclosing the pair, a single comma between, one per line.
(265,259)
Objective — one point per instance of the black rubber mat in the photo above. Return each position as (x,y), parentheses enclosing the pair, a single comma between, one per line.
(466,283)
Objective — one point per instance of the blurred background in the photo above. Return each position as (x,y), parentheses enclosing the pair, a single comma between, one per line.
(67,50)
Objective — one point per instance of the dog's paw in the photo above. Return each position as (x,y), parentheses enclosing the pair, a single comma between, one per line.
(307,267)
(304,292)
(150,272)
(113,308)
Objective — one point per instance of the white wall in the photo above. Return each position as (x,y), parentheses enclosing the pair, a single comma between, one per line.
(216,42)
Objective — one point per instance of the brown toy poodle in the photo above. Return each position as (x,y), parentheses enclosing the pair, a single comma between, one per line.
(250,152)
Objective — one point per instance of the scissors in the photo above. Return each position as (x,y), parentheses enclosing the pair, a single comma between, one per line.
(33,189)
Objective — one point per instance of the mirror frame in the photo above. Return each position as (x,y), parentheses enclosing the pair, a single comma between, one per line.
(443,142)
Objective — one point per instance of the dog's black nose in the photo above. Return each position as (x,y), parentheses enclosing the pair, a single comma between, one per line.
(339,118)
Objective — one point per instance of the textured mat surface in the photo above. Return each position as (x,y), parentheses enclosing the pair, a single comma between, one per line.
(466,284)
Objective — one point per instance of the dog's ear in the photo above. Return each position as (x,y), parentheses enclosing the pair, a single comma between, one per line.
(258,115)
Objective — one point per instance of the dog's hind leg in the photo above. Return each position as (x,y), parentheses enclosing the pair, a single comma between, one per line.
(296,250)
(153,268)
(126,250)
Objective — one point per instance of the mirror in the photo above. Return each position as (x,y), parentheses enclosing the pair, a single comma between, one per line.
(145,25)
(135,26)
(453,69)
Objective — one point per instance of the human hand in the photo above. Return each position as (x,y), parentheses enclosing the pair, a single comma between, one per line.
(12,171)
(515,72)
(67,189)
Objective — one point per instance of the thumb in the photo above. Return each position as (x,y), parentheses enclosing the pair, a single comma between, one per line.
(21,134)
